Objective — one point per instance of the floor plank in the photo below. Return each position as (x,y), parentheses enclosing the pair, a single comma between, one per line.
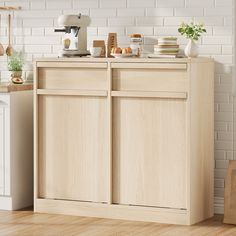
(27,223)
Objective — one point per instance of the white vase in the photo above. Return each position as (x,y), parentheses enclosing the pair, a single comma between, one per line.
(191,49)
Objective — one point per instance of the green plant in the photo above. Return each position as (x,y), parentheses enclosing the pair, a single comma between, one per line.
(192,31)
(16,62)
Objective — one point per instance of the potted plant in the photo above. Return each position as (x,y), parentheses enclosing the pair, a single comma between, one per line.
(192,32)
(15,65)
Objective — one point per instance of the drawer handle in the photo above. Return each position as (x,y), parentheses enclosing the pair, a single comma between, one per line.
(71,92)
(140,94)
(71,65)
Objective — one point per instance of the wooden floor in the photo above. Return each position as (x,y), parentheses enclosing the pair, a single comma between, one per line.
(26,223)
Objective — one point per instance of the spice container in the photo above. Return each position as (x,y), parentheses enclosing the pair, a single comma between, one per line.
(136,42)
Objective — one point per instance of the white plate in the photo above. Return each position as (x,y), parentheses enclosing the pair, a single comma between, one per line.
(120,55)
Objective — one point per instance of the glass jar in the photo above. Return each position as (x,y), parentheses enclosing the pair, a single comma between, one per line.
(136,42)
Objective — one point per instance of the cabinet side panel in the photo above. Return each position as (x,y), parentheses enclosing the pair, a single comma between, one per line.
(21,133)
(73,148)
(201,141)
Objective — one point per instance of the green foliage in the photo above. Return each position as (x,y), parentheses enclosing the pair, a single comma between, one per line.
(16,61)
(192,31)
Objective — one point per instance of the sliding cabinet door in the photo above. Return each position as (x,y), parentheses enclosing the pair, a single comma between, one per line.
(150,151)
(73,148)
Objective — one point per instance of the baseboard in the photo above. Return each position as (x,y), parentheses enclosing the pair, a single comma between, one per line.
(124,212)
(219,205)
(5,203)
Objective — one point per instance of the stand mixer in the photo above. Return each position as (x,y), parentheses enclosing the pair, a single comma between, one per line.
(75,29)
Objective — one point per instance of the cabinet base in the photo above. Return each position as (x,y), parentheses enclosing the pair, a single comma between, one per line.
(11,203)
(134,213)
(6,203)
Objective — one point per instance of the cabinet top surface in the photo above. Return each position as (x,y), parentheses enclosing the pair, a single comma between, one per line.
(128,60)
(8,87)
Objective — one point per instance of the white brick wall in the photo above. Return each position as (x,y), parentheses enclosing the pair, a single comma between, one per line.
(33,32)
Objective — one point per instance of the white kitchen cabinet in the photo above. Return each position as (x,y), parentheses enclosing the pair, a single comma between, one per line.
(2,132)
(16,155)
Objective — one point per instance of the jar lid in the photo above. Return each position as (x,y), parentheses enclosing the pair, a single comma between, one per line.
(135,36)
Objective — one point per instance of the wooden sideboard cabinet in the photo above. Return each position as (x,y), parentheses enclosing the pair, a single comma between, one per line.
(16,146)
(125,138)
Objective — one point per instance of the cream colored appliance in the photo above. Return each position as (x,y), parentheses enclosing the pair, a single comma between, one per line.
(75,40)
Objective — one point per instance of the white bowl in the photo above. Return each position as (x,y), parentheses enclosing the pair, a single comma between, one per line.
(95,51)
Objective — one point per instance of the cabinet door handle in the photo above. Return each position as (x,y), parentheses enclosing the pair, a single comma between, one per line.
(143,94)
(72,92)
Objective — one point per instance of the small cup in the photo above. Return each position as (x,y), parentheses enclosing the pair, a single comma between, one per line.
(66,43)
(95,51)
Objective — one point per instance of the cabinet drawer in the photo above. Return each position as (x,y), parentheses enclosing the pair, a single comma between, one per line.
(159,78)
(72,78)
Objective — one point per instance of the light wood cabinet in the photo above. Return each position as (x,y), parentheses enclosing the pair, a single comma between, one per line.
(125,138)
